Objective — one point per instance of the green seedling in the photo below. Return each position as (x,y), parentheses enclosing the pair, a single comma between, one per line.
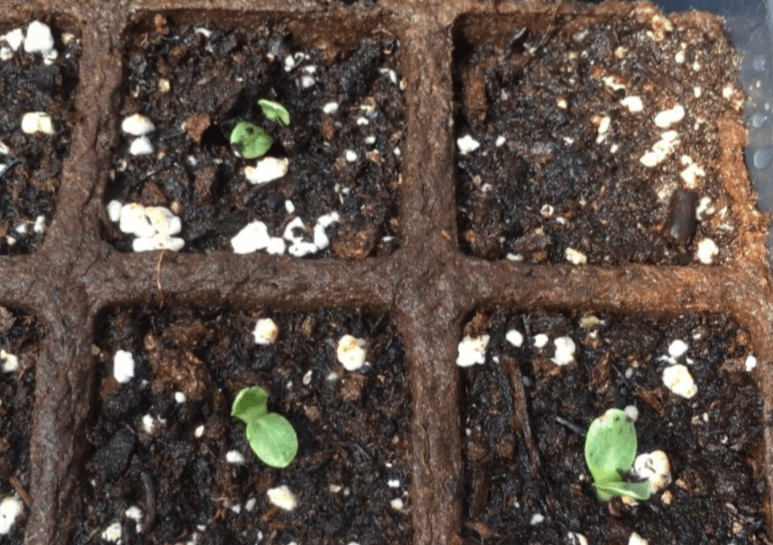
(271,437)
(251,140)
(274,111)
(610,450)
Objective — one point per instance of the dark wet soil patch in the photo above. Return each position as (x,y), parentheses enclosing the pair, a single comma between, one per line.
(714,441)
(196,82)
(31,164)
(353,430)
(569,164)
(19,338)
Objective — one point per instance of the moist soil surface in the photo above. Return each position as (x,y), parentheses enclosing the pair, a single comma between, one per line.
(31,164)
(352,427)
(565,119)
(19,337)
(346,161)
(713,441)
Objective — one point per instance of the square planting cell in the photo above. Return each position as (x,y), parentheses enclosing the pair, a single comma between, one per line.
(38,78)
(327,186)
(19,350)
(170,464)
(546,376)
(593,139)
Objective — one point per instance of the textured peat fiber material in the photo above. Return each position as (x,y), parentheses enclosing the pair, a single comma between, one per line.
(427,285)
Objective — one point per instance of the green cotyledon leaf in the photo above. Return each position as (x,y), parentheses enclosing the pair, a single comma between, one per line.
(273,440)
(249,140)
(610,445)
(250,405)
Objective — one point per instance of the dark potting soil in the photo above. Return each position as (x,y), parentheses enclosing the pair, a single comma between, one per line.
(713,441)
(347,161)
(353,430)
(554,106)
(19,337)
(31,168)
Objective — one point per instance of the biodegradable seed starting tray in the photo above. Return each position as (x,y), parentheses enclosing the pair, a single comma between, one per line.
(485,225)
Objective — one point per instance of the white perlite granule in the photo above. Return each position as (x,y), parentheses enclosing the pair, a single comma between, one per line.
(267,170)
(14,39)
(634,104)
(707,251)
(112,533)
(37,122)
(678,379)
(123,366)
(134,513)
(751,363)
(10,510)
(467,144)
(351,352)
(39,39)
(152,225)
(667,118)
(137,125)
(10,362)
(234,457)
(515,338)
(472,350)
(282,497)
(660,149)
(654,467)
(577,539)
(564,351)
(266,331)
(677,348)
(253,237)
(575,257)
(141,146)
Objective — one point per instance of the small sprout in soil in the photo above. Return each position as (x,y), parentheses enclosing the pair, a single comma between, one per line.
(610,450)
(271,437)
(252,141)
(274,111)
